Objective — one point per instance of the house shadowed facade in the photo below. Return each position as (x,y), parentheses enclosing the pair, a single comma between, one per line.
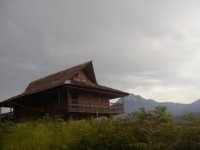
(71,94)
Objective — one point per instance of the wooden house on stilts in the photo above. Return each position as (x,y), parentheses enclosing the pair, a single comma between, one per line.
(71,93)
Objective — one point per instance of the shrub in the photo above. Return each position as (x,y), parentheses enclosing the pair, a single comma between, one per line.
(141,130)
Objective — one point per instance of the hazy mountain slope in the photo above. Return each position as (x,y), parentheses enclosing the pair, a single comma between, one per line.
(134,102)
(193,107)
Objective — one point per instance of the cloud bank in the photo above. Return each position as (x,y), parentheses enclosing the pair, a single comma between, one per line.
(150,48)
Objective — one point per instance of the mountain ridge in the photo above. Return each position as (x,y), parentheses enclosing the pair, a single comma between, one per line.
(134,102)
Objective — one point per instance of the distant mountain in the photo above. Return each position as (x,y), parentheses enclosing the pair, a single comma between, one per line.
(134,102)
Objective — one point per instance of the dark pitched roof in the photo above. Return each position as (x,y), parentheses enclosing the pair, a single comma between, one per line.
(60,78)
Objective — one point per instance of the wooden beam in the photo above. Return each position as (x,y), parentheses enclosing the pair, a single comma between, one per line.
(97,91)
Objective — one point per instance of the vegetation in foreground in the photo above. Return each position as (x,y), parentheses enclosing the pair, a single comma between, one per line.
(141,130)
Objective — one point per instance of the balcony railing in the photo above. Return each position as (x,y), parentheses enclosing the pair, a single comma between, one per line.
(113,108)
(116,108)
(8,115)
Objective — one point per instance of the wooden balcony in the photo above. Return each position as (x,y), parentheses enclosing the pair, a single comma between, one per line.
(100,108)
(113,108)
(116,108)
(6,116)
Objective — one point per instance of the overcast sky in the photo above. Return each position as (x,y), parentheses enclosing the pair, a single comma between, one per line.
(148,48)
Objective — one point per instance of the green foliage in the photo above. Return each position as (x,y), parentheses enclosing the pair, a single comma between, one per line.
(152,130)
(190,133)
(141,130)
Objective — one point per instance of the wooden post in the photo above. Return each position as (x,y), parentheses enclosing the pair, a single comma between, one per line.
(68,101)
(59,102)
(122,104)
(97,115)
(71,118)
(0,114)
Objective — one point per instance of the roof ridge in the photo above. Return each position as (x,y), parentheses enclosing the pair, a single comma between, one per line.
(60,75)
(61,71)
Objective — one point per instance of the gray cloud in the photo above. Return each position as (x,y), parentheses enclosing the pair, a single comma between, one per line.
(151,48)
